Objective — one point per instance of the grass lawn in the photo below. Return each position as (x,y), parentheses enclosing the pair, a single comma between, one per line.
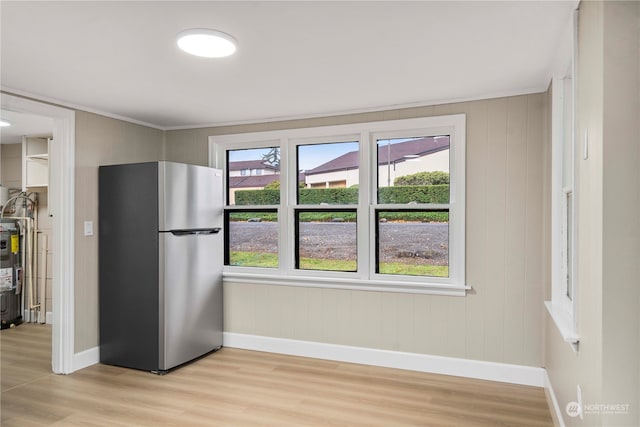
(253,259)
(328,264)
(270,260)
(414,270)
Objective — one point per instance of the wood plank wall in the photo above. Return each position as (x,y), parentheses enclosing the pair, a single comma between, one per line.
(501,321)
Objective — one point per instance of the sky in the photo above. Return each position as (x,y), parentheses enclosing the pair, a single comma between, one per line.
(310,156)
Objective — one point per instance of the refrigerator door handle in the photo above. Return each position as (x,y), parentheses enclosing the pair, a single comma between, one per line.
(204,231)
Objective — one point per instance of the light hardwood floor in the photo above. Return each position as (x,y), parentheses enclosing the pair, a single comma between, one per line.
(244,388)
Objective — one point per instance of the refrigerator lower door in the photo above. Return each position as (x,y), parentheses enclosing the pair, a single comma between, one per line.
(190,296)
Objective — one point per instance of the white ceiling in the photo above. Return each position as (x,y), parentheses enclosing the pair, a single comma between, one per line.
(295,59)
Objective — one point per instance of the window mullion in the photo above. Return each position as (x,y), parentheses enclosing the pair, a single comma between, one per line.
(287,203)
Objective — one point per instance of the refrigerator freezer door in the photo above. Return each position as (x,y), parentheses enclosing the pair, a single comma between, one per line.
(191,296)
(189,196)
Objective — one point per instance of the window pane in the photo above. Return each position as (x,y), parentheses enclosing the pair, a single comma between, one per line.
(569,246)
(414,243)
(253,176)
(329,173)
(413,170)
(252,238)
(326,240)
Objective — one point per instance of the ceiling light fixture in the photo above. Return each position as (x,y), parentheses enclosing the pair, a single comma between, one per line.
(206,43)
(4,123)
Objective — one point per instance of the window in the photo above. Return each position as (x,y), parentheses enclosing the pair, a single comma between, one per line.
(251,235)
(564,211)
(326,237)
(329,166)
(376,206)
(413,172)
(412,242)
(252,238)
(326,240)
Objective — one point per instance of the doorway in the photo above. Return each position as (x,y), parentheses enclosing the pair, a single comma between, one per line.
(61,208)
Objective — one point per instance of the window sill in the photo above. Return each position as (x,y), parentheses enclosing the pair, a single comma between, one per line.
(351,284)
(563,322)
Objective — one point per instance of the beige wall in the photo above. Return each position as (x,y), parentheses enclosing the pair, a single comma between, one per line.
(500,321)
(11,167)
(99,141)
(621,208)
(606,365)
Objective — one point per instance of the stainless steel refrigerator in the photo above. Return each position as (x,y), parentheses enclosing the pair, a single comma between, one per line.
(160,269)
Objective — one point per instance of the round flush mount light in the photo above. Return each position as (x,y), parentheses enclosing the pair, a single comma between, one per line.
(206,43)
(4,123)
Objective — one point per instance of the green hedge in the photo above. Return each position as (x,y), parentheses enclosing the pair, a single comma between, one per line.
(257,197)
(348,196)
(344,216)
(331,196)
(415,216)
(308,196)
(423,178)
(414,193)
(246,216)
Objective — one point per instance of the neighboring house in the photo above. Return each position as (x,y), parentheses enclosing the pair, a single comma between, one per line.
(250,175)
(400,159)
(252,168)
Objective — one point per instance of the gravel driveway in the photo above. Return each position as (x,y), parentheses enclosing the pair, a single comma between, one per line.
(408,242)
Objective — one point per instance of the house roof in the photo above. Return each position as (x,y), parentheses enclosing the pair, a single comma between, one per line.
(256,181)
(420,147)
(250,164)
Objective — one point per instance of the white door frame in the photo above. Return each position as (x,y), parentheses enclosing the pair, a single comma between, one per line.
(62,208)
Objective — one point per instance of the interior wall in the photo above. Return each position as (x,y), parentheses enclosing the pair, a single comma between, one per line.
(606,365)
(621,204)
(11,168)
(568,369)
(99,141)
(500,320)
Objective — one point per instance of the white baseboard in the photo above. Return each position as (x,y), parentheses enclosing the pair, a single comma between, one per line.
(33,316)
(86,358)
(514,374)
(554,408)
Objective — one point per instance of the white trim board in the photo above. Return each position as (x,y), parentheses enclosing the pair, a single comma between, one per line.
(74,106)
(86,358)
(491,371)
(62,208)
(552,402)
(285,118)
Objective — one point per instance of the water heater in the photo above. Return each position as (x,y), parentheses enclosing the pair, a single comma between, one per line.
(10,274)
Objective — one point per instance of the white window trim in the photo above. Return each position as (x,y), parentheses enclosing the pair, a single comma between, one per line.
(367,134)
(561,308)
